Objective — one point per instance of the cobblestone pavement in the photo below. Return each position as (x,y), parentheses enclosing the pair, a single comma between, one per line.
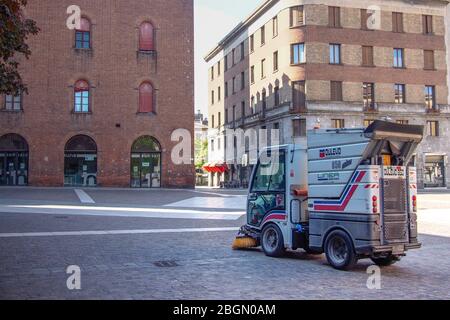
(199,265)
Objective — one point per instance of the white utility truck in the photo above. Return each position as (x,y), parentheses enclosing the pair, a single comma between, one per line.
(350,193)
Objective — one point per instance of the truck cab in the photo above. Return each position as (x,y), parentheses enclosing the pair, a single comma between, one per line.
(348,193)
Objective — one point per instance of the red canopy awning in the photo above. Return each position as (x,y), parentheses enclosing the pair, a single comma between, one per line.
(219,167)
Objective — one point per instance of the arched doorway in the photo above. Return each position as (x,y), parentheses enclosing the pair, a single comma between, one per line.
(146,163)
(80,162)
(13,160)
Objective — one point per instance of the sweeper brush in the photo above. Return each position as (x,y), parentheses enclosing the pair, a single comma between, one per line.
(244,243)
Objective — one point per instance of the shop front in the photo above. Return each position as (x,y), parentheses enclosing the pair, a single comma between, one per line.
(434,171)
(80,162)
(146,163)
(13,160)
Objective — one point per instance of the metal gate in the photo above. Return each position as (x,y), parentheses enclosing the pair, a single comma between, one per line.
(395,215)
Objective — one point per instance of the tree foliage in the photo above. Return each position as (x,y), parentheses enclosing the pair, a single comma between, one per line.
(14,31)
(201,156)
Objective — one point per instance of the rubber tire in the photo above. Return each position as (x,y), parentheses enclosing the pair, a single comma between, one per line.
(385,261)
(280,250)
(351,258)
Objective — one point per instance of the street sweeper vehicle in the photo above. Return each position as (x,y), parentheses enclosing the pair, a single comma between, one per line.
(348,193)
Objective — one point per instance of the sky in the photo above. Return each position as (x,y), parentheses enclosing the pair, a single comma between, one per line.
(213,20)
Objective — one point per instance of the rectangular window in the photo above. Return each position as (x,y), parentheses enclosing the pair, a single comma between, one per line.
(398,58)
(427,24)
(226,89)
(334,17)
(263,72)
(335,53)
(82,40)
(219,94)
(299,127)
(233,57)
(82,101)
(242,51)
(218,68)
(336,90)
(338,123)
(252,105)
(242,80)
(252,43)
(212,97)
(234,114)
(402,121)
(275,26)
(369,95)
(226,63)
(234,85)
(276,93)
(368,122)
(263,35)
(367,56)
(298,53)
(428,59)
(264,100)
(243,109)
(219,119)
(275,61)
(212,122)
(227,118)
(430,97)
(397,22)
(399,93)
(297,16)
(252,74)
(13,103)
(212,73)
(298,96)
(433,128)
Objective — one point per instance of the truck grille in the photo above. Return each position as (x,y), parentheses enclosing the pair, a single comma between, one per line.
(395,213)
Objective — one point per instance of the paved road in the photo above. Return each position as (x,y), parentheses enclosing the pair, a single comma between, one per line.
(132,257)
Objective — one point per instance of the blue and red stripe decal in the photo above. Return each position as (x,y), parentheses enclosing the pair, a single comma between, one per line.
(341,204)
(275,215)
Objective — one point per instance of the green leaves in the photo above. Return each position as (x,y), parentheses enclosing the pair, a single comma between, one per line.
(14,31)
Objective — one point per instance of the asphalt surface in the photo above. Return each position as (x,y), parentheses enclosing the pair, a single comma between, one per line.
(132,257)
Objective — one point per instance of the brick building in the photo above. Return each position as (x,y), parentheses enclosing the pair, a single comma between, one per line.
(104,98)
(293,64)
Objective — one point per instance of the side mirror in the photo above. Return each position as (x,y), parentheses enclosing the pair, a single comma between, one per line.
(252,197)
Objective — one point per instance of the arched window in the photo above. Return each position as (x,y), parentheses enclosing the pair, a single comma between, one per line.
(146,37)
(81,92)
(83,35)
(146,98)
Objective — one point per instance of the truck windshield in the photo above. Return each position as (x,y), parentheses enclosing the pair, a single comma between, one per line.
(270,176)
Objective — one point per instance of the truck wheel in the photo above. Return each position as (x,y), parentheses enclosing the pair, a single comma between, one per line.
(385,261)
(272,241)
(339,250)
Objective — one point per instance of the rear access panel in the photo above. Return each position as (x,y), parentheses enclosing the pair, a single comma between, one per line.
(395,214)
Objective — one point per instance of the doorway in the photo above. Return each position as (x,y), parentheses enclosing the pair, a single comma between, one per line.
(80,162)
(146,163)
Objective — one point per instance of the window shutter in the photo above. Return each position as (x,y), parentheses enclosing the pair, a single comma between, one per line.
(331,16)
(146,98)
(337,16)
(429,59)
(146,41)
(299,98)
(364,19)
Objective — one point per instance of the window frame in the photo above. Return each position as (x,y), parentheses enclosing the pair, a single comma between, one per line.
(13,102)
(338,123)
(399,98)
(433,124)
(299,127)
(301,53)
(275,61)
(336,91)
(332,51)
(369,104)
(399,56)
(75,92)
(430,97)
